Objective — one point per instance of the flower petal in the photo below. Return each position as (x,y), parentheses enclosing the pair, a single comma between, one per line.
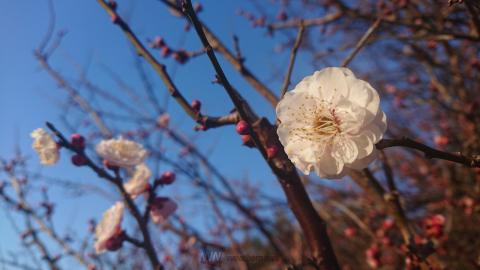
(344,149)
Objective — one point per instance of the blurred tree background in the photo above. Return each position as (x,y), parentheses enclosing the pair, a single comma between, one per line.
(69,63)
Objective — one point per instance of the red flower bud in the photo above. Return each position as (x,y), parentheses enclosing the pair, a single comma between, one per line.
(165,51)
(272,151)
(349,232)
(196,105)
(158,42)
(167,178)
(115,243)
(79,160)
(181,56)
(242,127)
(115,19)
(77,141)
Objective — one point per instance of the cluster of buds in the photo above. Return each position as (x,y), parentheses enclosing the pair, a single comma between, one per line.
(181,55)
(78,143)
(243,129)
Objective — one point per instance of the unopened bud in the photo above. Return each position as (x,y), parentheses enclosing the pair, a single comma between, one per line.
(167,178)
(242,127)
(79,160)
(272,151)
(77,141)
(196,105)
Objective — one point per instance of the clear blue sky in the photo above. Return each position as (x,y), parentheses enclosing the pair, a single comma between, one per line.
(28,96)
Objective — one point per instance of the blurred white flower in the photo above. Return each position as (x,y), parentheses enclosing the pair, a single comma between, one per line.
(109,228)
(138,183)
(161,209)
(330,122)
(45,146)
(121,152)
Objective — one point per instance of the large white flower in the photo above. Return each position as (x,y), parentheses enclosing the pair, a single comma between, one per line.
(109,227)
(121,152)
(138,183)
(45,146)
(330,122)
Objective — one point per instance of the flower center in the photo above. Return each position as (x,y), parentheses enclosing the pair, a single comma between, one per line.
(326,124)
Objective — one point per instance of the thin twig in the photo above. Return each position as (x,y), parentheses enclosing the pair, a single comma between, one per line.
(293,56)
(469,161)
(207,121)
(147,242)
(361,43)
(238,64)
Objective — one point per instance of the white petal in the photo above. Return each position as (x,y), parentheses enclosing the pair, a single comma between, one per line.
(344,149)
(364,95)
(329,84)
(363,163)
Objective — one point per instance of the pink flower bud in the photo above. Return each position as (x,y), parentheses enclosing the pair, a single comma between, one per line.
(197,7)
(158,42)
(441,140)
(167,178)
(387,224)
(196,105)
(272,151)
(282,16)
(79,160)
(438,219)
(181,56)
(349,232)
(165,51)
(114,18)
(242,127)
(77,141)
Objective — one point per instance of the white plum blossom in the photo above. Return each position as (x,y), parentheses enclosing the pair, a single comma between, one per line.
(138,183)
(161,209)
(330,123)
(45,146)
(121,152)
(109,227)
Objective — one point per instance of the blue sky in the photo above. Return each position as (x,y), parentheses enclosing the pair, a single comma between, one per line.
(29,97)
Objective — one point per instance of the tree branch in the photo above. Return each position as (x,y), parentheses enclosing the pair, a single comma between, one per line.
(430,153)
(293,55)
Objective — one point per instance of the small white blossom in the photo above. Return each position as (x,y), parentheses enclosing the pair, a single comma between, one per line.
(121,152)
(109,227)
(330,122)
(161,209)
(138,183)
(45,146)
